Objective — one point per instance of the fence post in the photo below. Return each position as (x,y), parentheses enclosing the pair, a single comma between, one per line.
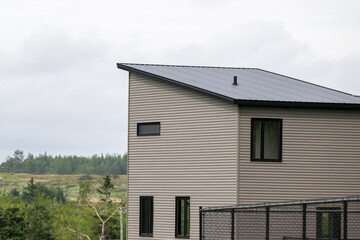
(200,223)
(232,224)
(267,223)
(345,220)
(304,222)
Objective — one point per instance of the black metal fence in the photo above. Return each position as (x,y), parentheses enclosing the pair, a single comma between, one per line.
(307,220)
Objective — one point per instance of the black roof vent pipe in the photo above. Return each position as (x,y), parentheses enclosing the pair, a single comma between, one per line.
(235,81)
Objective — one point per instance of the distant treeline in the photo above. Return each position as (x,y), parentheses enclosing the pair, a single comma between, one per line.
(113,164)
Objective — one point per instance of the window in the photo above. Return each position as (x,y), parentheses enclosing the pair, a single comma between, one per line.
(266,139)
(328,223)
(182,217)
(148,129)
(146,216)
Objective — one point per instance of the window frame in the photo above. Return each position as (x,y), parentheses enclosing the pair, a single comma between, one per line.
(262,159)
(186,226)
(334,215)
(151,217)
(148,123)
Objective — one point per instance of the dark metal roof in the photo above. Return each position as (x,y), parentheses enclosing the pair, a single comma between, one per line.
(254,86)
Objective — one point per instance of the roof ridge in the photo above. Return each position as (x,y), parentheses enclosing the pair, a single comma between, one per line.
(314,84)
(178,65)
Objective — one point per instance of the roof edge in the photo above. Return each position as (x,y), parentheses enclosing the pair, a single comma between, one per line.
(242,102)
(303,81)
(297,104)
(164,79)
(185,66)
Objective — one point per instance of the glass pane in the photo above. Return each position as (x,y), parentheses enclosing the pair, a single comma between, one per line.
(188,217)
(144,215)
(271,139)
(182,233)
(325,226)
(149,129)
(256,131)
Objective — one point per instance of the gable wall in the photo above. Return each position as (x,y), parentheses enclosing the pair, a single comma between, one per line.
(321,156)
(195,155)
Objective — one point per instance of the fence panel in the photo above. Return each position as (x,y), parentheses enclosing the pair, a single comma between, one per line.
(307,220)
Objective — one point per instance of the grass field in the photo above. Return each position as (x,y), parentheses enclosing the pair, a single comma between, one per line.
(69,183)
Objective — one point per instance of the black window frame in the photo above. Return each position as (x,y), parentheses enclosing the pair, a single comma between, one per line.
(150,215)
(334,221)
(177,210)
(148,123)
(262,159)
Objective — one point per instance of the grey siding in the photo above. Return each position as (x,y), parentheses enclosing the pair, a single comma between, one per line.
(321,156)
(195,154)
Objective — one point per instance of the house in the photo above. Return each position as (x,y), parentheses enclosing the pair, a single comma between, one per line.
(215,136)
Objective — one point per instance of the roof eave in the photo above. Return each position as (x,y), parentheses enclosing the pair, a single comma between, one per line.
(297,104)
(164,79)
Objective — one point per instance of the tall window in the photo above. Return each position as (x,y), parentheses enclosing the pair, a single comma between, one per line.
(182,221)
(266,139)
(148,129)
(328,223)
(146,216)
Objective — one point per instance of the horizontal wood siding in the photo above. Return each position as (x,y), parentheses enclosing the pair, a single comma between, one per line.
(195,154)
(321,156)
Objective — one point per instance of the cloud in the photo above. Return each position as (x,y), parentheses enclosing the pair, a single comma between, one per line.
(269,45)
(62,94)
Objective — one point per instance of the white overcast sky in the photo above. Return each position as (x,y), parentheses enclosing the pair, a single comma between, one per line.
(60,90)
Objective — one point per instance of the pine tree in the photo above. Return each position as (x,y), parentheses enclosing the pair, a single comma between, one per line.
(104,190)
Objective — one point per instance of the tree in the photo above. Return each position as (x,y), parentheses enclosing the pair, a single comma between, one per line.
(39,221)
(29,191)
(14,192)
(33,190)
(103,221)
(12,224)
(84,191)
(104,190)
(13,164)
(46,164)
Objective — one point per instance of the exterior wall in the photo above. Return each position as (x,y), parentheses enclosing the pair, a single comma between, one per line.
(321,156)
(195,154)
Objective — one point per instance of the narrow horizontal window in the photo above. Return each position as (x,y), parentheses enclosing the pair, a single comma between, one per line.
(182,217)
(148,129)
(146,216)
(266,140)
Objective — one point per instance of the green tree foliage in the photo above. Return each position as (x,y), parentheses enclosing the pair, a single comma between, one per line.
(114,164)
(43,218)
(105,191)
(12,224)
(84,191)
(39,221)
(14,192)
(34,190)
(26,220)
(14,163)
(29,191)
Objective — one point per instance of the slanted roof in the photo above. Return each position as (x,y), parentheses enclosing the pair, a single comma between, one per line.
(255,86)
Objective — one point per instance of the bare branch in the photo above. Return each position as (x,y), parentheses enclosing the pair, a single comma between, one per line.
(72,230)
(97,213)
(112,214)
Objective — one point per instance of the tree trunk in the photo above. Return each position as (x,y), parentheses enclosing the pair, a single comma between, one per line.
(102,237)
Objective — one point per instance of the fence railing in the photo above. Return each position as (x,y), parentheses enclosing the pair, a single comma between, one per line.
(328,219)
